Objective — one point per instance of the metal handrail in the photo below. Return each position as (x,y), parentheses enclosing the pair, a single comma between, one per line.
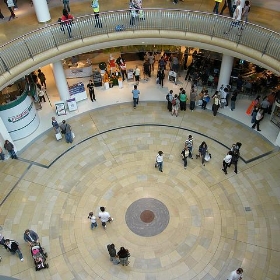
(52,36)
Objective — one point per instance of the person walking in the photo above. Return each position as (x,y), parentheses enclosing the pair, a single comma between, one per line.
(175,105)
(42,78)
(160,76)
(93,223)
(11,5)
(233,100)
(90,87)
(185,154)
(202,152)
(113,253)
(169,98)
(66,129)
(227,4)
(104,217)
(236,17)
(123,255)
(216,7)
(189,145)
(13,247)
(246,10)
(159,161)
(236,274)
(95,7)
(227,161)
(193,96)
(259,117)
(205,99)
(67,20)
(55,125)
(123,69)
(10,148)
(135,95)
(137,75)
(183,100)
(216,104)
(66,5)
(235,155)
(30,237)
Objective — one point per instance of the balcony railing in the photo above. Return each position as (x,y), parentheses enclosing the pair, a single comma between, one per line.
(52,36)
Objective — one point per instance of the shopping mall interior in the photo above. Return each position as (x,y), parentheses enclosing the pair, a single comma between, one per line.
(182,223)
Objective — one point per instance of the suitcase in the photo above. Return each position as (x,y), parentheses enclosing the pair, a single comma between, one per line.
(58,136)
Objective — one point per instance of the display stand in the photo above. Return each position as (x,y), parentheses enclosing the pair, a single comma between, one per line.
(97,79)
(60,108)
(72,104)
(78,92)
(130,74)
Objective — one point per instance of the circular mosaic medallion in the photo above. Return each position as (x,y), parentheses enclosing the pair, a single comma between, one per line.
(147,217)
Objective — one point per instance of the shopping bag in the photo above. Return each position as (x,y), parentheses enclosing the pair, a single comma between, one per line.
(73,134)
(58,136)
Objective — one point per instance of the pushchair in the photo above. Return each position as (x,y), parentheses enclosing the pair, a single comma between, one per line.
(172,77)
(39,257)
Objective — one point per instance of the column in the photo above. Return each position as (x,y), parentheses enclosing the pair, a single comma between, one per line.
(42,10)
(4,135)
(225,70)
(60,80)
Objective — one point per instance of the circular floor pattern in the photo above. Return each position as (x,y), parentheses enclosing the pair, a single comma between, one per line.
(147,217)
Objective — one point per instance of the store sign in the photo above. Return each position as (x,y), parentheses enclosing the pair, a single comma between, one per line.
(20,118)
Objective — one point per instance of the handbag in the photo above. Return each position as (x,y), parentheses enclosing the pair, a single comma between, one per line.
(73,134)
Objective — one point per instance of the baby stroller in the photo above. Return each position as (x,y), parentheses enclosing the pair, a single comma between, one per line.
(39,257)
(172,77)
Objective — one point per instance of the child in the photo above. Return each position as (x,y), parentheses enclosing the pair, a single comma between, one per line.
(92,220)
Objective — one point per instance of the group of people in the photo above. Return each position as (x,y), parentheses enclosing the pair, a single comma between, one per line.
(118,258)
(63,128)
(232,157)
(104,217)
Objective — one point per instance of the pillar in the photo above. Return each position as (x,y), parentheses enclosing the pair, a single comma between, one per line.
(4,135)
(60,80)
(42,10)
(225,71)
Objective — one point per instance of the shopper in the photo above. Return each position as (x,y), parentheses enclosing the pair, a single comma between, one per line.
(185,154)
(42,78)
(183,100)
(236,17)
(93,223)
(205,99)
(11,5)
(236,274)
(90,87)
(113,253)
(95,7)
(227,4)
(123,255)
(2,155)
(55,125)
(259,117)
(10,148)
(67,21)
(202,152)
(216,104)
(189,145)
(175,105)
(246,11)
(193,96)
(66,5)
(169,98)
(216,7)
(30,237)
(159,161)
(235,155)
(13,247)
(66,129)
(137,75)
(227,161)
(160,77)
(104,217)
(135,94)
(233,100)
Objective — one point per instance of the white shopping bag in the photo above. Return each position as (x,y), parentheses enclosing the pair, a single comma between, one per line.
(58,136)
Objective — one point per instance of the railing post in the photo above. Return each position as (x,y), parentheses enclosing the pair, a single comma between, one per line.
(30,54)
(5,66)
(264,51)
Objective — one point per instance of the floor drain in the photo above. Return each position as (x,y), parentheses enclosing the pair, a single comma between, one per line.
(248,209)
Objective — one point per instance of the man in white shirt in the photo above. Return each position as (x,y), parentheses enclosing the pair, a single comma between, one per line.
(236,17)
(104,217)
(236,274)
(227,161)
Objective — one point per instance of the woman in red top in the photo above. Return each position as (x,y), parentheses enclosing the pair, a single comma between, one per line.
(67,20)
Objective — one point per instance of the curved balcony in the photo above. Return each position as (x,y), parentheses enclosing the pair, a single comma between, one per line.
(160,26)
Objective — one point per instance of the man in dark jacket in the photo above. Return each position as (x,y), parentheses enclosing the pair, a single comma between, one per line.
(30,236)
(13,247)
(113,253)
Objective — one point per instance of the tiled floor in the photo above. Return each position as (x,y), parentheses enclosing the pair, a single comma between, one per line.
(111,162)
